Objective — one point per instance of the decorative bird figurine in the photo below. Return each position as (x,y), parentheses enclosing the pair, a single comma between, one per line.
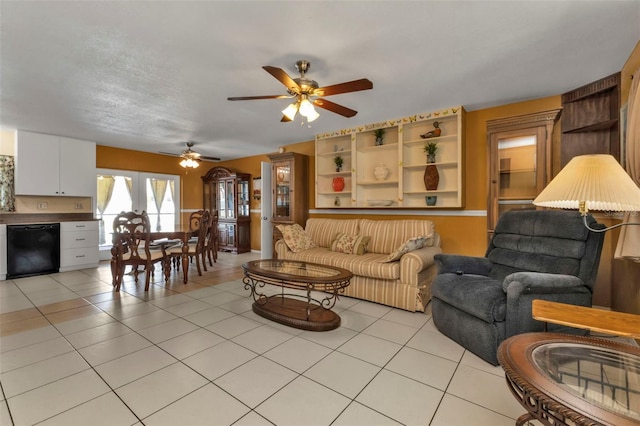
(433,133)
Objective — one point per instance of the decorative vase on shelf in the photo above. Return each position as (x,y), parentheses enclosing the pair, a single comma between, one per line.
(337,183)
(431,158)
(431,177)
(381,172)
(431,200)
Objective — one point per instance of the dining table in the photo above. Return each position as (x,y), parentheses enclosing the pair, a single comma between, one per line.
(180,235)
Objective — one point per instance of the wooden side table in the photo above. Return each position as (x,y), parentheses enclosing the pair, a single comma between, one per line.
(600,320)
(562,379)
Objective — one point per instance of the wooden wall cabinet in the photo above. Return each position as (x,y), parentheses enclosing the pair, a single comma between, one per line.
(590,119)
(518,161)
(227,192)
(290,203)
(391,173)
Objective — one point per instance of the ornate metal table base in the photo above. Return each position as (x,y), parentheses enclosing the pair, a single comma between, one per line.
(299,310)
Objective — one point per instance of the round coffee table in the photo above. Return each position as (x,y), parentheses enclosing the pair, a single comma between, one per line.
(299,310)
(565,379)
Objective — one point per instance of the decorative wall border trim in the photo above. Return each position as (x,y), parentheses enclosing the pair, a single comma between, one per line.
(398,212)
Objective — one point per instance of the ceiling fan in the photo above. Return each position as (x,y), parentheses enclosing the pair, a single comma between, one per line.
(190,157)
(307,93)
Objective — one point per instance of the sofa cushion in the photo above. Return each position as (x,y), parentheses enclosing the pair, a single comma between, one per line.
(366,265)
(296,238)
(411,244)
(323,231)
(388,235)
(350,244)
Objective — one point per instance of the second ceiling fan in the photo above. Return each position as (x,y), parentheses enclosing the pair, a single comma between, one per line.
(307,93)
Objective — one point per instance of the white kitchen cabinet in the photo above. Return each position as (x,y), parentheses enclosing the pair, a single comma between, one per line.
(52,165)
(3,251)
(78,245)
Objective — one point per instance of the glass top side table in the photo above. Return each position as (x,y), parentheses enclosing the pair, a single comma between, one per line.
(565,379)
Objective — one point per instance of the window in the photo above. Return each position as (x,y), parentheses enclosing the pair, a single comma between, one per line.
(122,190)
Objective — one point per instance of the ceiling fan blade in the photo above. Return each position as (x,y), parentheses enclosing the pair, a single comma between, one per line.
(349,86)
(202,157)
(283,78)
(251,98)
(333,107)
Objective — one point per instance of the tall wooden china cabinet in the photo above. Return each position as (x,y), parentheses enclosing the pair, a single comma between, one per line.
(227,192)
(289,190)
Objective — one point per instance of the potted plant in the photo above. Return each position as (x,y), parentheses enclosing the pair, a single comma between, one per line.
(431,148)
(379,134)
(339,161)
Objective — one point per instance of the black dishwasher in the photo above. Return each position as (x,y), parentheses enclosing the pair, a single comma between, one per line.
(33,249)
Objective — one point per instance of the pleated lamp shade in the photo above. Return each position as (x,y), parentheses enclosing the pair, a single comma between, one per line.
(591,182)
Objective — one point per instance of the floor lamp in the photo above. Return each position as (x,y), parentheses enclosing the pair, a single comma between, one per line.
(592,182)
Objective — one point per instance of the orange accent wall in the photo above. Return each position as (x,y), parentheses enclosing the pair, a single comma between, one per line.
(190,181)
(460,234)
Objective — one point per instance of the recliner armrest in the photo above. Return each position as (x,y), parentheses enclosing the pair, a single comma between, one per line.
(457,264)
(542,283)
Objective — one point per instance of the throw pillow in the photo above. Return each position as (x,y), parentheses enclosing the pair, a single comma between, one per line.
(411,244)
(296,239)
(350,244)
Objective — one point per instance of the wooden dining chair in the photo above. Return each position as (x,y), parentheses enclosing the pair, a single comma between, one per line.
(194,226)
(132,246)
(212,239)
(196,247)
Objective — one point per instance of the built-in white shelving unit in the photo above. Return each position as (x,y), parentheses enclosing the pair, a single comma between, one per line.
(402,153)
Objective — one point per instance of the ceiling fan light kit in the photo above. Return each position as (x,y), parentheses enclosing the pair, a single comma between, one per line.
(190,158)
(307,93)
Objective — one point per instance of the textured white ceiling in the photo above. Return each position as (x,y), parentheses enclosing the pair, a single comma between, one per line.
(149,75)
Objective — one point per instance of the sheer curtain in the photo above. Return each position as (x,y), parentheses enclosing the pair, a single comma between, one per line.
(158,187)
(7,195)
(105,191)
(629,241)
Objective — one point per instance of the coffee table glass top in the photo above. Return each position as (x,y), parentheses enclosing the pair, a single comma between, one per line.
(606,378)
(296,268)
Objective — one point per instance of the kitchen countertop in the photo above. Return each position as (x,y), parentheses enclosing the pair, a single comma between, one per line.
(26,218)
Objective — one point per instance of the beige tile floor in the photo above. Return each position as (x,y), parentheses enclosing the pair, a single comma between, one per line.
(73,352)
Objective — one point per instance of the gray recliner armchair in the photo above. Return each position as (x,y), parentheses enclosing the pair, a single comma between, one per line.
(534,254)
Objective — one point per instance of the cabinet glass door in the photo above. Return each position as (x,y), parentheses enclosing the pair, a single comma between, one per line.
(282,197)
(222,200)
(243,198)
(517,164)
(230,204)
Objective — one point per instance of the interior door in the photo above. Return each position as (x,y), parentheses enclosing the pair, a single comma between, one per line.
(266,212)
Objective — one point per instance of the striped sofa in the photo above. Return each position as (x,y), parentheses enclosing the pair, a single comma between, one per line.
(404,284)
